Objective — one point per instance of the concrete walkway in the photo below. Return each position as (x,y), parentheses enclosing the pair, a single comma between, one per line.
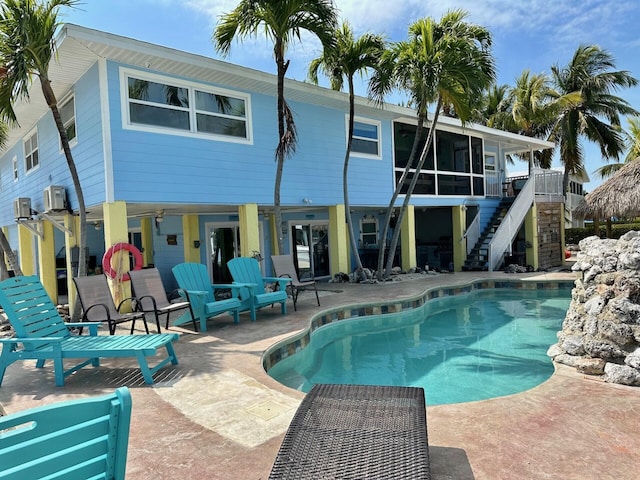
(218,415)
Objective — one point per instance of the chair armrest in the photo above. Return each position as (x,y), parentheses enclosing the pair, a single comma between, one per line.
(141,300)
(92,326)
(85,314)
(133,301)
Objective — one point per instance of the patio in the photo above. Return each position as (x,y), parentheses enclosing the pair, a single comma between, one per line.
(218,415)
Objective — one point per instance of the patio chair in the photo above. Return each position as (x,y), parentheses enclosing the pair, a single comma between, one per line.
(283,267)
(253,294)
(98,305)
(41,335)
(195,286)
(75,439)
(151,297)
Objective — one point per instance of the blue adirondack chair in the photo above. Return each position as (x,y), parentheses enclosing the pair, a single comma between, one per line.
(41,335)
(195,285)
(74,440)
(246,272)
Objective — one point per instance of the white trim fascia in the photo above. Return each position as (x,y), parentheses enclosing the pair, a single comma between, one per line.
(107,151)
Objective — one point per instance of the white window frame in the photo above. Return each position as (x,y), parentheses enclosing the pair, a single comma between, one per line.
(14,163)
(378,141)
(126,73)
(369,220)
(27,138)
(72,141)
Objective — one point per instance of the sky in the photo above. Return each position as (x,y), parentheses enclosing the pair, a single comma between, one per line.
(527,34)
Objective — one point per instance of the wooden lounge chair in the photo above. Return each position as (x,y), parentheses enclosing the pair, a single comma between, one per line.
(98,306)
(77,439)
(42,335)
(283,267)
(246,272)
(151,297)
(195,286)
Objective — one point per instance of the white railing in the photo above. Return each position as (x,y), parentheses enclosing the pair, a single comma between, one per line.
(473,233)
(508,229)
(492,184)
(548,182)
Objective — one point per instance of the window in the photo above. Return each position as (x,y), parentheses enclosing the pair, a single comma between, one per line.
(68,116)
(366,138)
(452,152)
(14,162)
(31,152)
(156,103)
(368,231)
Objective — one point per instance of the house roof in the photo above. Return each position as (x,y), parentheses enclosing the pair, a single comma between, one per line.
(78,48)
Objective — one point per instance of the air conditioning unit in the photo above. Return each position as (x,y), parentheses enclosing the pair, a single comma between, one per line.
(22,208)
(55,198)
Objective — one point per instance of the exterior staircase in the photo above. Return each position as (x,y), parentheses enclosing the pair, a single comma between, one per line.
(478,257)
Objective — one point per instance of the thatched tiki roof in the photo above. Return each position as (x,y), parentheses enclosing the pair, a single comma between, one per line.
(619,196)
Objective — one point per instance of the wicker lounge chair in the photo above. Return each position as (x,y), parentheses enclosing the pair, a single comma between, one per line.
(356,431)
(283,266)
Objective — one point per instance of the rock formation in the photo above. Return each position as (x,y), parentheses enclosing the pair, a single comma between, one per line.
(601,331)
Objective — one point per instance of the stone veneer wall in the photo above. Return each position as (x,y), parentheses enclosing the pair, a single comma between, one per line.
(601,331)
(297,342)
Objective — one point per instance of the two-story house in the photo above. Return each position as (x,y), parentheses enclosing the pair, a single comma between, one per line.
(175,154)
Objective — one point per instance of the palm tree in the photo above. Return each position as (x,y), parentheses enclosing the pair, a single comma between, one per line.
(344,60)
(282,21)
(446,62)
(632,144)
(27,46)
(597,116)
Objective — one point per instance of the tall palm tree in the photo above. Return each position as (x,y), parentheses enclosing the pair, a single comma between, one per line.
(5,247)
(348,57)
(282,21)
(27,46)
(445,62)
(632,145)
(596,117)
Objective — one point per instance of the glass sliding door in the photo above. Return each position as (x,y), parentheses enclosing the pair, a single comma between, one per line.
(224,245)
(311,249)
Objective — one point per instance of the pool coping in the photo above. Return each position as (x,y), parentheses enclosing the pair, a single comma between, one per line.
(299,340)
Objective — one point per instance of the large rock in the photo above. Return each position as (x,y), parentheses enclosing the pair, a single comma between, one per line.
(623,374)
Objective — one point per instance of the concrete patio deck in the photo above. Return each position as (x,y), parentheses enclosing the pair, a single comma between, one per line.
(218,415)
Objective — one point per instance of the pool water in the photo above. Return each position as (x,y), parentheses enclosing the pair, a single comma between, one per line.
(474,346)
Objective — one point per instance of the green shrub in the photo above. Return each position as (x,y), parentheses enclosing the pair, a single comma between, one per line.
(574,235)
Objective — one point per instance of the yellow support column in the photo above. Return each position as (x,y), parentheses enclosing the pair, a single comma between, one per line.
(338,251)
(408,239)
(25,247)
(459,217)
(72,223)
(147,241)
(531,237)
(191,234)
(116,230)
(5,230)
(274,235)
(249,229)
(47,260)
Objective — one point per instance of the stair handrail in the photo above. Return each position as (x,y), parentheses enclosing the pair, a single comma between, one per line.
(508,229)
(472,234)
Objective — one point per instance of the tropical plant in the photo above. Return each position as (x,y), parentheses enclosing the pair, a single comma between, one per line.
(632,144)
(27,46)
(445,62)
(282,21)
(596,117)
(348,57)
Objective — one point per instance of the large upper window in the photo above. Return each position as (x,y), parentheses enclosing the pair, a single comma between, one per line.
(158,103)
(366,138)
(31,160)
(68,116)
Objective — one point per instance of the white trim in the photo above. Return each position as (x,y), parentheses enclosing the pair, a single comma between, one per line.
(366,121)
(107,151)
(66,99)
(125,73)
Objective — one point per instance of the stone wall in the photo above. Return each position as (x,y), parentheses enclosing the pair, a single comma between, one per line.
(601,331)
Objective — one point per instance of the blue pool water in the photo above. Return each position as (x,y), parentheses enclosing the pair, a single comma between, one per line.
(469,347)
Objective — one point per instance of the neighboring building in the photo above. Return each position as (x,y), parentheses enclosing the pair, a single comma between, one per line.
(175,153)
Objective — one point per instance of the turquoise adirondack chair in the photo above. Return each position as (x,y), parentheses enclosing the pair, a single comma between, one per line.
(41,335)
(195,285)
(74,440)
(246,272)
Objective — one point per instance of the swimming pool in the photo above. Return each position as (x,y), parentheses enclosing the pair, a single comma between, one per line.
(467,347)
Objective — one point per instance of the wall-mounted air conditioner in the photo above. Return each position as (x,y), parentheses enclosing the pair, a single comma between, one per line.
(55,198)
(22,208)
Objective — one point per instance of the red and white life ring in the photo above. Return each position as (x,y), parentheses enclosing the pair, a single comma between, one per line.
(106,259)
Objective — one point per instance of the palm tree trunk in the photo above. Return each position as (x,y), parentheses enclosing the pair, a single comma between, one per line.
(280,150)
(387,218)
(412,185)
(345,181)
(11,257)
